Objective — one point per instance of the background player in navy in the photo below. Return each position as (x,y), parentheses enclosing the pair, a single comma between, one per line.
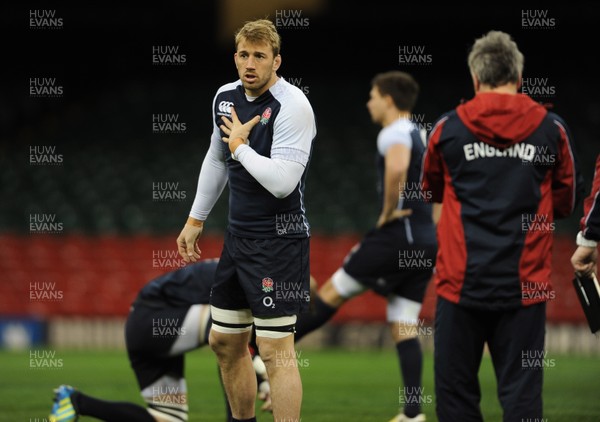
(263,274)
(169,317)
(396,258)
(503,168)
(585,257)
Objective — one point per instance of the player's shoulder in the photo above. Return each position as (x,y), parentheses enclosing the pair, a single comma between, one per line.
(448,115)
(554,126)
(447,119)
(401,126)
(230,86)
(398,132)
(289,95)
(556,119)
(223,98)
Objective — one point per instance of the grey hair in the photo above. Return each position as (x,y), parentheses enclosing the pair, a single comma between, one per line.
(496,60)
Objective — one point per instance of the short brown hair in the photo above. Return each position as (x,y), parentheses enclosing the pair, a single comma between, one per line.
(260,31)
(399,85)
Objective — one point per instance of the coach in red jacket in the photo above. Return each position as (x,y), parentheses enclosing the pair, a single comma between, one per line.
(503,168)
(585,258)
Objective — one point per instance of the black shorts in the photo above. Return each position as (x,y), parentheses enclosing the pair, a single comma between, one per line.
(386,262)
(149,336)
(271,277)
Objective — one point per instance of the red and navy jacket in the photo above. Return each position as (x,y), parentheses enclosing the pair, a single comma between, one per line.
(504,168)
(590,222)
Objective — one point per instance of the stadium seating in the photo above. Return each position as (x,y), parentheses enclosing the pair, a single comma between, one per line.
(102,194)
(99,276)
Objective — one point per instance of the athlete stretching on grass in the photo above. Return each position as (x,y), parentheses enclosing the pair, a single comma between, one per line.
(169,318)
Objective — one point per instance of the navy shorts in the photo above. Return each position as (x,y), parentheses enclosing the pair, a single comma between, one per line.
(150,334)
(271,277)
(148,343)
(387,262)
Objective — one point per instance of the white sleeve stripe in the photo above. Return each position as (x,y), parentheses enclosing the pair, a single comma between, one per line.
(574,187)
(589,214)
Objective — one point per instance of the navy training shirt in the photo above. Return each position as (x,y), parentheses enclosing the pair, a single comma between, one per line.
(419,225)
(286,131)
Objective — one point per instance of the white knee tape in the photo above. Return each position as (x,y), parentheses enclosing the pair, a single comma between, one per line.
(401,309)
(277,327)
(229,321)
(346,285)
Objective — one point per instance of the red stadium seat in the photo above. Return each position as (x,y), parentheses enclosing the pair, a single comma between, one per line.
(101,275)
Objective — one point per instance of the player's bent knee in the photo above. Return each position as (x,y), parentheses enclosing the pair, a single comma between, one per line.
(403,313)
(346,285)
(403,310)
(275,328)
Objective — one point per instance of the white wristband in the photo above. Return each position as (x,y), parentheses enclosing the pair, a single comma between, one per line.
(582,241)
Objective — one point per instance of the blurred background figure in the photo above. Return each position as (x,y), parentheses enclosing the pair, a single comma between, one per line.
(396,258)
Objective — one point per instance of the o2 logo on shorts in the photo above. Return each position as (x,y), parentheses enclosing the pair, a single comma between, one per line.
(267,286)
(268,302)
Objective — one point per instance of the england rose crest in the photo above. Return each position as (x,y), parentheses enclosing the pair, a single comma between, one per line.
(264,119)
(267,284)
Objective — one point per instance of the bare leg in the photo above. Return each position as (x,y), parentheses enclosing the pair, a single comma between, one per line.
(237,371)
(403,331)
(279,357)
(330,295)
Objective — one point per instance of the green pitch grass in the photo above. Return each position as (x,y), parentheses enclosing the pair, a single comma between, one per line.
(339,385)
